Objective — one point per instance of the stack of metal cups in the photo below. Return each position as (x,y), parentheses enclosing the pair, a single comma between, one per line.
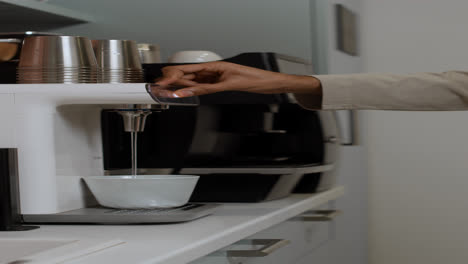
(57,59)
(118,60)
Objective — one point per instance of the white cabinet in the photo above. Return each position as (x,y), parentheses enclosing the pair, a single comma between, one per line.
(287,242)
(343,240)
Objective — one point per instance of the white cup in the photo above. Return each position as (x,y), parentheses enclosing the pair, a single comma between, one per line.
(194,56)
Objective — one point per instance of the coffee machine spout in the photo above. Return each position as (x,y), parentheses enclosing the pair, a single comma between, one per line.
(134,115)
(134,121)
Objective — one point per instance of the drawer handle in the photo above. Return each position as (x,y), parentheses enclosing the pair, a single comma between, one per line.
(268,246)
(319,215)
(331,139)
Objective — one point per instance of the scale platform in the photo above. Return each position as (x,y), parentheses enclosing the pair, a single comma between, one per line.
(101,215)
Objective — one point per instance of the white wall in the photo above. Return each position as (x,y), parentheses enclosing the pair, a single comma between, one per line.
(223,26)
(418,161)
(340,62)
(351,244)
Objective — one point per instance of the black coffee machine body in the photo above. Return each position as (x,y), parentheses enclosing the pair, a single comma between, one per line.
(246,147)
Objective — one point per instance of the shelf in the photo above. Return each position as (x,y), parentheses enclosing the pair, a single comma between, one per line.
(23,15)
(177,243)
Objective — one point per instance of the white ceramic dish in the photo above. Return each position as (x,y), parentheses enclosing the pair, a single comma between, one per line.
(142,191)
(194,56)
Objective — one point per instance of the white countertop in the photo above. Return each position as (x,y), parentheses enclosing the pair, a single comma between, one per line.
(165,243)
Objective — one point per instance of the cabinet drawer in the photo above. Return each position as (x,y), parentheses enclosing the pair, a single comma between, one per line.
(244,251)
(290,241)
(304,237)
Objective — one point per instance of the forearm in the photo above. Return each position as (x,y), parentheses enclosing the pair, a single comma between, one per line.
(421,91)
(307,90)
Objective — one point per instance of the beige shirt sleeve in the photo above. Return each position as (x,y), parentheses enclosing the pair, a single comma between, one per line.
(419,92)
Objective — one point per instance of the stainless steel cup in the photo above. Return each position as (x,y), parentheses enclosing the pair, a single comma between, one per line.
(119,61)
(56,52)
(19,37)
(149,53)
(57,59)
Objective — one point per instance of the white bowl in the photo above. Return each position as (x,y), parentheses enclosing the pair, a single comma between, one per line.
(194,56)
(142,191)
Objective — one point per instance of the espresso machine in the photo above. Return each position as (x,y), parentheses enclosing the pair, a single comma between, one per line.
(246,147)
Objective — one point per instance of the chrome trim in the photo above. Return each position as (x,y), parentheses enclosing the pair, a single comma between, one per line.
(292,59)
(268,247)
(257,170)
(318,216)
(331,139)
(11,40)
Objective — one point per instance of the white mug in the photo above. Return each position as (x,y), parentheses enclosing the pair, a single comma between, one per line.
(194,56)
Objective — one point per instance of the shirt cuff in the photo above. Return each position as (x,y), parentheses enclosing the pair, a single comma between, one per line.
(335,94)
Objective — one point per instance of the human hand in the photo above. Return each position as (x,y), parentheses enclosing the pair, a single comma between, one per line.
(211,77)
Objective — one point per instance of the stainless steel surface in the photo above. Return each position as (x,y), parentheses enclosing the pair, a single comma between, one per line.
(134,147)
(57,59)
(57,51)
(268,246)
(262,170)
(19,37)
(149,53)
(9,48)
(134,115)
(318,216)
(119,61)
(288,178)
(134,119)
(79,77)
(22,34)
(10,40)
(118,216)
(284,186)
(141,107)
